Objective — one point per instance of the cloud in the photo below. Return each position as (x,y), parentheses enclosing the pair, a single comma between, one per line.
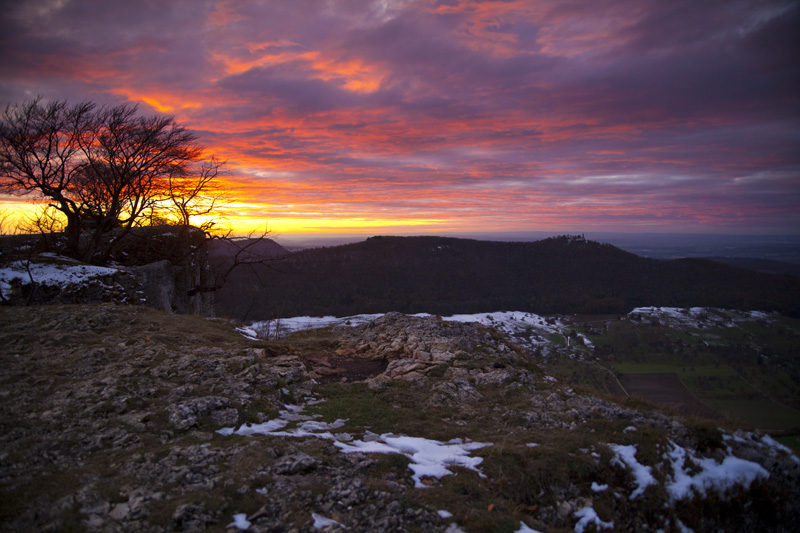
(536,115)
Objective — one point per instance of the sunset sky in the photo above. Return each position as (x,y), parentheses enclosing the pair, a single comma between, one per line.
(450,116)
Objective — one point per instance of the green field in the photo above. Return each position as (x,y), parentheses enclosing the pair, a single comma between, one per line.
(750,372)
(722,389)
(759,412)
(681,369)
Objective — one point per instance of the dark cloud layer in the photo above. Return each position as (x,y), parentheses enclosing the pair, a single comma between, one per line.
(457,115)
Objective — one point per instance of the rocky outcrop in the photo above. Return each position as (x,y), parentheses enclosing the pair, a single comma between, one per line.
(397,336)
(172,267)
(414,346)
(163,267)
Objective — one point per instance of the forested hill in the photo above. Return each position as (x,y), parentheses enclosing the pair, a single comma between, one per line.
(447,276)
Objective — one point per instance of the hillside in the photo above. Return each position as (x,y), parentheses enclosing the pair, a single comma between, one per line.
(123,418)
(760,265)
(251,247)
(447,276)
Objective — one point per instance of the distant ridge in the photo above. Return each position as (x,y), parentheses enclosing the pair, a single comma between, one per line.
(760,265)
(566,274)
(249,247)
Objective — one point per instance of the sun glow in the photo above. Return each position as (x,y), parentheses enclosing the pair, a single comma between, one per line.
(245,225)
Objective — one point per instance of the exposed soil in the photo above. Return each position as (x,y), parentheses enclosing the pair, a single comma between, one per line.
(667,389)
(613,386)
(344,369)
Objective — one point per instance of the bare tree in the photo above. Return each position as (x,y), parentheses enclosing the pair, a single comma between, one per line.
(106,170)
(197,195)
(241,252)
(129,161)
(6,226)
(40,152)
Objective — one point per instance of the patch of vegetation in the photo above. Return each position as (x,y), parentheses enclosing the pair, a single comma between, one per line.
(317,342)
(759,412)
(398,408)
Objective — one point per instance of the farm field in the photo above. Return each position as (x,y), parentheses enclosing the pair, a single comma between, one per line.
(708,362)
(666,388)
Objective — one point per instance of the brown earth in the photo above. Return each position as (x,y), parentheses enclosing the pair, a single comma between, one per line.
(328,369)
(613,386)
(667,389)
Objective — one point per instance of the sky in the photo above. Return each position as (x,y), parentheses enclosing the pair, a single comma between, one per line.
(451,116)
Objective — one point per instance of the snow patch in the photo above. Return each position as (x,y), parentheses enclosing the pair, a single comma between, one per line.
(240,521)
(248,333)
(54,275)
(322,522)
(524,528)
(626,456)
(510,322)
(429,458)
(711,476)
(698,317)
(588,516)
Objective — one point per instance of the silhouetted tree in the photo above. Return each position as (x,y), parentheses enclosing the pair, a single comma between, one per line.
(40,152)
(104,169)
(197,195)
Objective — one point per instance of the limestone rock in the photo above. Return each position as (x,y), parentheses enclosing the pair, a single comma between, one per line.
(185,415)
(457,392)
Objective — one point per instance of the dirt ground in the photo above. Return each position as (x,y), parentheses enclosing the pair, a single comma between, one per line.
(343,369)
(667,389)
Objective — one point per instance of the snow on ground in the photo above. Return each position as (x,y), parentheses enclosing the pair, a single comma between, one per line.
(240,521)
(588,516)
(708,474)
(58,275)
(626,456)
(320,522)
(524,528)
(306,427)
(697,317)
(429,458)
(528,328)
(284,326)
(510,322)
(765,442)
(691,475)
(248,333)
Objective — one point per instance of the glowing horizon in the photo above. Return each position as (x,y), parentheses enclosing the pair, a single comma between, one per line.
(354,116)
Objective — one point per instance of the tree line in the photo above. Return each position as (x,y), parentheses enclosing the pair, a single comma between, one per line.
(101,171)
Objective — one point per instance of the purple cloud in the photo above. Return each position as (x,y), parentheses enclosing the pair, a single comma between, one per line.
(540,114)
